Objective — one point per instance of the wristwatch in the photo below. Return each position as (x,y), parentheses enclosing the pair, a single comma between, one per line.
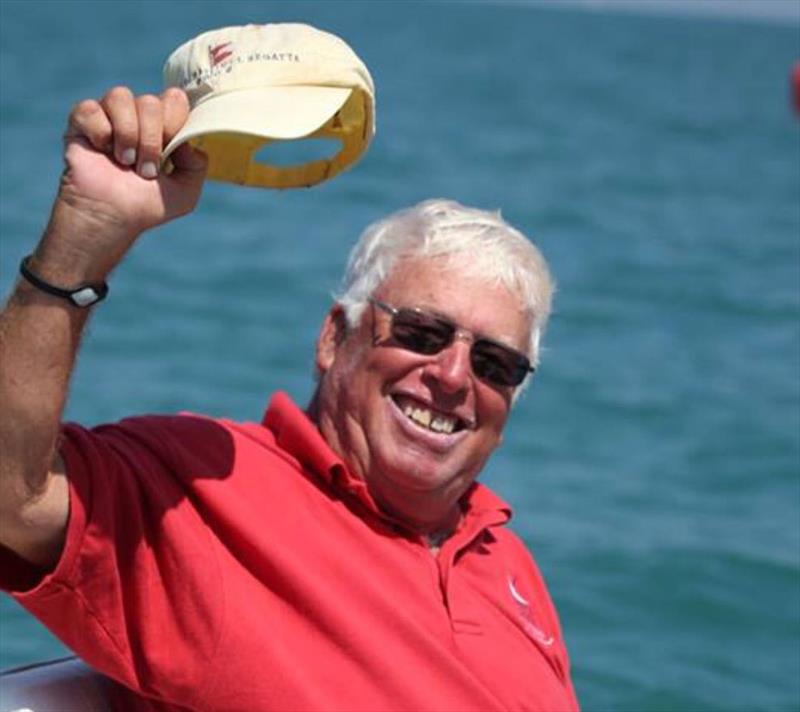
(82,296)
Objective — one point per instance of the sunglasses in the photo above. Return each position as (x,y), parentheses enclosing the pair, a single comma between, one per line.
(425,333)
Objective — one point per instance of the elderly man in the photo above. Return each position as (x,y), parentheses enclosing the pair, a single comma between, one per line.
(338,558)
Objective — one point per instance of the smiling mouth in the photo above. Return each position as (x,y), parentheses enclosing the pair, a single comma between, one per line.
(428,418)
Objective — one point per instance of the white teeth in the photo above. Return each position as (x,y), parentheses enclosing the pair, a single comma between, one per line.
(438,423)
(442,424)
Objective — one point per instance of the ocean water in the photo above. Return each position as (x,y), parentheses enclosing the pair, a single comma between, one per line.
(654,464)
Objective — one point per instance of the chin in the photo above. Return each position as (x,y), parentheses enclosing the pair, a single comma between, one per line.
(419,472)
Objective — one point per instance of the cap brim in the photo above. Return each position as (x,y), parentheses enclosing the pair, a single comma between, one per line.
(271,112)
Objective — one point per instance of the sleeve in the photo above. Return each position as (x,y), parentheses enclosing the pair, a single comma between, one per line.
(137,592)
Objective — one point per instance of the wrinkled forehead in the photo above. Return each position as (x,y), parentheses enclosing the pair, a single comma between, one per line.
(447,273)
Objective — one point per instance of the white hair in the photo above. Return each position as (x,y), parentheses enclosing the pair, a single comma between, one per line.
(495,250)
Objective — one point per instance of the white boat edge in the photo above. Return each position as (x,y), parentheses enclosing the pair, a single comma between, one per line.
(63,685)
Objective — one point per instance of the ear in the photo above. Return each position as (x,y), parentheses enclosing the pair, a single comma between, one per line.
(331,335)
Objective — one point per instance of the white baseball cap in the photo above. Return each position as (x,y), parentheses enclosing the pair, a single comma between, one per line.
(251,85)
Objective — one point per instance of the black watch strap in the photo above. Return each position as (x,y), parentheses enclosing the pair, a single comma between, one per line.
(82,296)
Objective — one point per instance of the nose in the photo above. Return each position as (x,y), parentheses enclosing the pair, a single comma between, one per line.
(451,368)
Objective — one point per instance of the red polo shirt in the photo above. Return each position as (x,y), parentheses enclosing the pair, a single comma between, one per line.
(241,567)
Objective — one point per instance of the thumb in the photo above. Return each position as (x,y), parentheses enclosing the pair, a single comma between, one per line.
(188,159)
(182,187)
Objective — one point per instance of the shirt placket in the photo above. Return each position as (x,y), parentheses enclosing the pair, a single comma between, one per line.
(462,622)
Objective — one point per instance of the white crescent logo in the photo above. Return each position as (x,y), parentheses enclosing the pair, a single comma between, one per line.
(532,630)
(516,595)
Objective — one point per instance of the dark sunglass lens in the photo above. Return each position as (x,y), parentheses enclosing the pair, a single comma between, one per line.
(499,365)
(421,333)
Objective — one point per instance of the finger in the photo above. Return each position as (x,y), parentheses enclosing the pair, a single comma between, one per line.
(120,107)
(151,121)
(176,111)
(88,120)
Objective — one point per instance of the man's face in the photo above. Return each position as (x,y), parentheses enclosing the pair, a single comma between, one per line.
(375,396)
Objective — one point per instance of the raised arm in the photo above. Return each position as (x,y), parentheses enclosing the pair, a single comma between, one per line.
(110,193)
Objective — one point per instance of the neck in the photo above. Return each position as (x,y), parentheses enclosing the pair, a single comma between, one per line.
(435,534)
(312,410)
(436,539)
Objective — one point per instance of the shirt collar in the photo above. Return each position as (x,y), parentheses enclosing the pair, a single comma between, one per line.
(481,509)
(295,432)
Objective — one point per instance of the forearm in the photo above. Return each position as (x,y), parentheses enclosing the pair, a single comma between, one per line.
(104,203)
(39,338)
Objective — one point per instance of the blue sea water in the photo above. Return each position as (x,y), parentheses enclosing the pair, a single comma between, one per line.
(654,465)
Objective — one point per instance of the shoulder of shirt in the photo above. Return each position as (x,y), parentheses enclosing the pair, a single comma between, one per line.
(519,549)
(180,431)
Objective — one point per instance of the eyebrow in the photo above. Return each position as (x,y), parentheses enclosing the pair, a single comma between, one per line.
(478,335)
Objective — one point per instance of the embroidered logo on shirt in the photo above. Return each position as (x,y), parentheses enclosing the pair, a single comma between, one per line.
(526,617)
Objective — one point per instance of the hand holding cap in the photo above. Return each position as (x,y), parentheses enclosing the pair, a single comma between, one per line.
(251,85)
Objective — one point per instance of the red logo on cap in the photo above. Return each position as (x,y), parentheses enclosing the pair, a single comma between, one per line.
(219,53)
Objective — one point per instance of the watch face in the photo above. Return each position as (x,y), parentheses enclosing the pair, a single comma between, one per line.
(84,297)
